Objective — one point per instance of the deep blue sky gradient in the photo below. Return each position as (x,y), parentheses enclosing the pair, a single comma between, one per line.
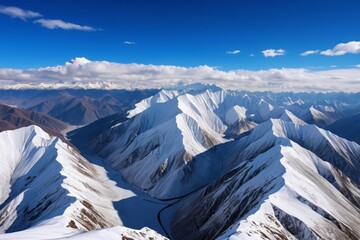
(184,33)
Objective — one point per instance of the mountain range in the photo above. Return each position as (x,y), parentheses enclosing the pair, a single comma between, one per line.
(75,106)
(191,162)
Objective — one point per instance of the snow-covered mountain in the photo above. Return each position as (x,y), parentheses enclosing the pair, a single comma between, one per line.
(157,141)
(282,181)
(46,184)
(348,127)
(239,165)
(191,162)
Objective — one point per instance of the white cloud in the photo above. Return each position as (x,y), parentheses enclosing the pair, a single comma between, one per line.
(343,48)
(333,66)
(129,43)
(358,65)
(310,52)
(234,52)
(60,24)
(252,55)
(16,12)
(82,73)
(273,52)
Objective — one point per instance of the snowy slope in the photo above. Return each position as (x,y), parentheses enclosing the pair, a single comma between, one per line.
(238,165)
(198,163)
(160,137)
(282,190)
(50,231)
(341,127)
(153,147)
(119,232)
(45,182)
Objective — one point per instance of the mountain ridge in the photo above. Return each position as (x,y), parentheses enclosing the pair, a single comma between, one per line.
(192,162)
(44,179)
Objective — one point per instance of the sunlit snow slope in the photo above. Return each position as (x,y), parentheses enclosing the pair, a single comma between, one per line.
(49,190)
(239,165)
(156,146)
(283,181)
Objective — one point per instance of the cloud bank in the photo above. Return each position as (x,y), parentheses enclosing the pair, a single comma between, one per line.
(273,52)
(82,73)
(16,12)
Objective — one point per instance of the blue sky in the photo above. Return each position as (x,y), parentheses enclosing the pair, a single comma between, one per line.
(182,33)
(256,45)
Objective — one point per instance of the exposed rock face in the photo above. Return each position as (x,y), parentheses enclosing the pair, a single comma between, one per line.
(12,118)
(75,106)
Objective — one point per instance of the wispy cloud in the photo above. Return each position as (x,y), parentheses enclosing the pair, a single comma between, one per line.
(16,12)
(273,52)
(310,52)
(60,24)
(82,73)
(358,65)
(343,48)
(129,43)
(233,52)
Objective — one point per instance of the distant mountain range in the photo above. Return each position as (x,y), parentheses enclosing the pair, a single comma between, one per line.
(12,118)
(193,162)
(75,107)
